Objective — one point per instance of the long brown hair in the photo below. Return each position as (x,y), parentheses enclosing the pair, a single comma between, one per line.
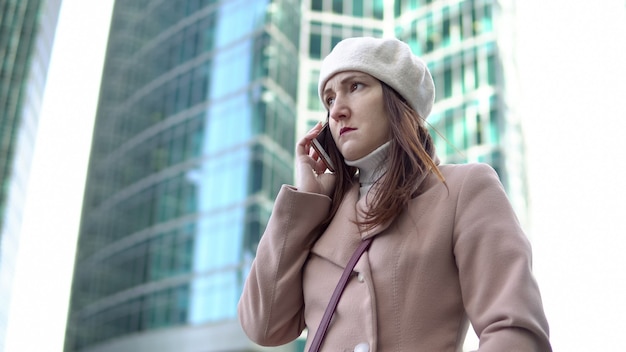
(411,155)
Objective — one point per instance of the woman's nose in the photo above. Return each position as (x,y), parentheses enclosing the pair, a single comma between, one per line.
(339,110)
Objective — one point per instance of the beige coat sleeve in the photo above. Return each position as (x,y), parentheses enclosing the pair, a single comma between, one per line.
(271,307)
(493,255)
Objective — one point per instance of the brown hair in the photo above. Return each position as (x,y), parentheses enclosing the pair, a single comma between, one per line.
(411,155)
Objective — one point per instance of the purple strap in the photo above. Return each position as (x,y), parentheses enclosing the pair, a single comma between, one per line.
(334,299)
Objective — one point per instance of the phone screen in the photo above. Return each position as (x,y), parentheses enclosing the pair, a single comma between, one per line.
(320,143)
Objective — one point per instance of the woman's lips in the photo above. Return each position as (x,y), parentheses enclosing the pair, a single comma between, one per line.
(345,130)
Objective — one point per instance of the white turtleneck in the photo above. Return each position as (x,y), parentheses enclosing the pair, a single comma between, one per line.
(371,167)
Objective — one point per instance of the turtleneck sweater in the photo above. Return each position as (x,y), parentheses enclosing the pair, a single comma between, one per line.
(371,167)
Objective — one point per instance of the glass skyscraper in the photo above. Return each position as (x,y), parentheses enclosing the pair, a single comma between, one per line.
(469,47)
(193,137)
(195,133)
(27,30)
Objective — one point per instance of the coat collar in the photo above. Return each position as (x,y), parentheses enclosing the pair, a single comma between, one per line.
(342,236)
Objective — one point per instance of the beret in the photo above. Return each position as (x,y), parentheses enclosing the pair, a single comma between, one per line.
(387,59)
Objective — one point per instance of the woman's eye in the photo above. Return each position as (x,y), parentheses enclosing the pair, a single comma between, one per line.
(355,86)
(330,101)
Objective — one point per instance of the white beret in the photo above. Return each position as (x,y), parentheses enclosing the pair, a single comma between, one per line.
(389,60)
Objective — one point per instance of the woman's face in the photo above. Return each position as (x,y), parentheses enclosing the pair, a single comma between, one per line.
(358,120)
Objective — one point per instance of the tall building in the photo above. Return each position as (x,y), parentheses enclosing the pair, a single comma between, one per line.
(469,47)
(193,137)
(27,30)
(195,132)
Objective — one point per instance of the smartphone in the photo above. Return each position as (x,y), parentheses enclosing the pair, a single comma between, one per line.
(319,143)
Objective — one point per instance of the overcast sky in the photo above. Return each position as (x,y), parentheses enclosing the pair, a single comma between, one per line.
(572,57)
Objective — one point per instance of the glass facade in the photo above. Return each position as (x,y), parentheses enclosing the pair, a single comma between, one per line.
(467,47)
(27,30)
(193,137)
(457,39)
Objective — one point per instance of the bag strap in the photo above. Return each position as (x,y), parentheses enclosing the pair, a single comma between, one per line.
(334,300)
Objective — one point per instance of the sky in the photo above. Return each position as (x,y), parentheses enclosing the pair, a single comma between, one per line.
(572,56)
(573,110)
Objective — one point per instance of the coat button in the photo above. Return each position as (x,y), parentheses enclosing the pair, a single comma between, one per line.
(360,277)
(362,347)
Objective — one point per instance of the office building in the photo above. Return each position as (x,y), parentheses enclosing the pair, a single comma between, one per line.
(469,47)
(193,137)
(195,133)
(27,30)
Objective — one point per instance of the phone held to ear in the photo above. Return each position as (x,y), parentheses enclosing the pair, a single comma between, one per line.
(319,143)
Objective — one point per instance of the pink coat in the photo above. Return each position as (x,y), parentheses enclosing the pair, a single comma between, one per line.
(456,254)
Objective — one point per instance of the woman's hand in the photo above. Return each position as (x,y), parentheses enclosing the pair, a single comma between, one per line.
(311,173)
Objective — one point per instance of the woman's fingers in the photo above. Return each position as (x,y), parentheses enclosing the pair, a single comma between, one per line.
(304,144)
(310,175)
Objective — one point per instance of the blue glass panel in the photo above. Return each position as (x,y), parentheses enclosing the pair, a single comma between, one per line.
(214,298)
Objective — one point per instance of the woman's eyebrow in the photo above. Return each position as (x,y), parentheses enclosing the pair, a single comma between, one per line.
(345,80)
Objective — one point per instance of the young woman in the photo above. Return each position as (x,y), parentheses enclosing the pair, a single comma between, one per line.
(447,248)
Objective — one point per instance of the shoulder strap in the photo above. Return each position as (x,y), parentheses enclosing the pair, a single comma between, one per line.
(334,300)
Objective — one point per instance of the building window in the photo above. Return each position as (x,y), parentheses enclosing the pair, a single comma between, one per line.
(315,46)
(338,6)
(378,9)
(357,8)
(314,102)
(316,5)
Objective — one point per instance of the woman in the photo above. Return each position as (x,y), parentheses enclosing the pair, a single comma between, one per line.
(447,248)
